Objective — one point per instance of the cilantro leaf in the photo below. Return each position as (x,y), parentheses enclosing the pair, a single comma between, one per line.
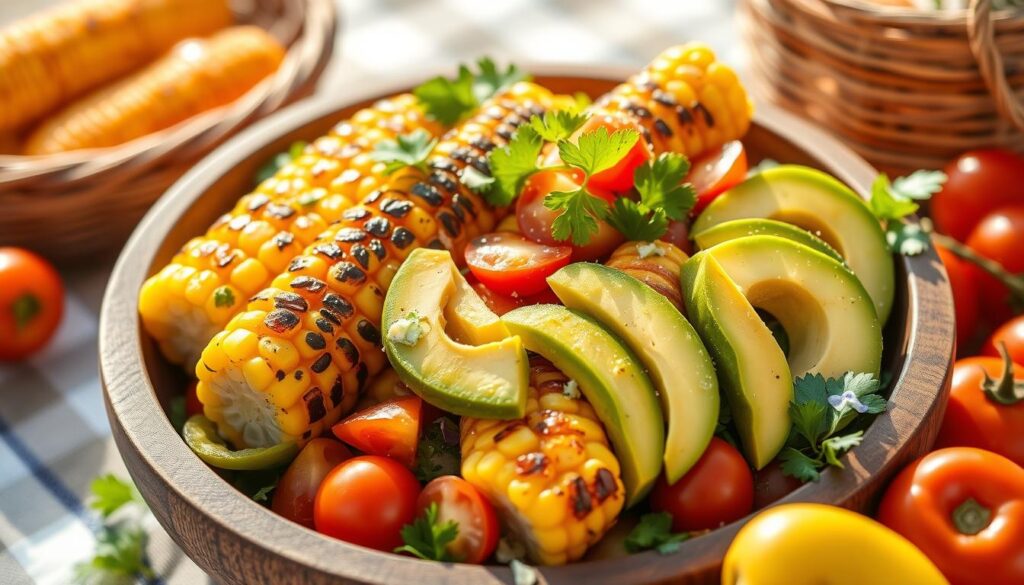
(834,447)
(907,238)
(655,532)
(809,419)
(408,150)
(810,388)
(886,204)
(110,494)
(636,222)
(427,539)
(513,164)
(861,384)
(438,450)
(598,150)
(661,186)
(477,182)
(875,403)
(491,80)
(449,100)
(120,557)
(580,212)
(796,464)
(919,185)
(558,125)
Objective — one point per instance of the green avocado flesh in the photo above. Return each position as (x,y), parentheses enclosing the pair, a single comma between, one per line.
(827,315)
(668,347)
(485,374)
(738,228)
(823,206)
(610,377)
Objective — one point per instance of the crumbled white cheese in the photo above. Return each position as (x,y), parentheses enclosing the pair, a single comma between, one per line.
(649,249)
(409,329)
(571,390)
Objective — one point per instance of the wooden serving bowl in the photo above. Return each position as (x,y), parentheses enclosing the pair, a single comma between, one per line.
(239,542)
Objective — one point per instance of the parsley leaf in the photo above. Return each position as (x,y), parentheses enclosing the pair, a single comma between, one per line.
(833,447)
(886,204)
(796,464)
(580,212)
(919,185)
(892,202)
(655,531)
(598,150)
(110,494)
(513,164)
(477,182)
(661,186)
(427,539)
(637,222)
(408,150)
(907,238)
(491,80)
(449,100)
(120,554)
(558,125)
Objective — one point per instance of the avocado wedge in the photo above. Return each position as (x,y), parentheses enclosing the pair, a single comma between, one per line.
(667,345)
(739,228)
(817,202)
(610,377)
(485,374)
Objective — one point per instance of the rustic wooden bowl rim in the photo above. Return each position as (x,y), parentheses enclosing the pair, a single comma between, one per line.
(128,388)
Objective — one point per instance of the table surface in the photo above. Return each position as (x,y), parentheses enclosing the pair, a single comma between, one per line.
(54,435)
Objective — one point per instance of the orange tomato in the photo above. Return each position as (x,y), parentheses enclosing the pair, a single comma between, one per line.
(390,429)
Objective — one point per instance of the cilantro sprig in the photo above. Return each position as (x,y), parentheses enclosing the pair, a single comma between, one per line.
(407,150)
(655,532)
(449,100)
(427,538)
(663,197)
(438,450)
(121,542)
(820,409)
(893,201)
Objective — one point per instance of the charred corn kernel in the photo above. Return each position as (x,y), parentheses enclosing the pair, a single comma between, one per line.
(656,264)
(59,54)
(684,101)
(196,76)
(269,227)
(551,475)
(330,297)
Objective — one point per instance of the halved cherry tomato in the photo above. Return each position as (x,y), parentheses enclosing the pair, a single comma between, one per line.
(502,304)
(296,490)
(31,303)
(678,234)
(366,501)
(192,403)
(716,172)
(510,264)
(718,490)
(979,182)
(619,177)
(1011,334)
(965,295)
(535,220)
(390,429)
(998,237)
(459,501)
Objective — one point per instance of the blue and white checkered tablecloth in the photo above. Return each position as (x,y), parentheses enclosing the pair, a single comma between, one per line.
(54,435)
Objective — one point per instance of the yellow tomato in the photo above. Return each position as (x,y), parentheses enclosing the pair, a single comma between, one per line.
(814,544)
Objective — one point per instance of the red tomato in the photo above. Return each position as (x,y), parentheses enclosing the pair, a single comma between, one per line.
(617,178)
(510,264)
(535,220)
(979,182)
(31,303)
(366,501)
(458,500)
(965,294)
(678,234)
(500,304)
(390,429)
(998,237)
(716,172)
(192,404)
(1011,334)
(718,490)
(296,491)
(771,485)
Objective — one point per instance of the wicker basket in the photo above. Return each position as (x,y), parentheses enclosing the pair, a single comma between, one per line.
(905,88)
(75,205)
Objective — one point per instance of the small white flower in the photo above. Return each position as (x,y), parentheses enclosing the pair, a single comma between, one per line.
(571,390)
(409,329)
(649,249)
(848,398)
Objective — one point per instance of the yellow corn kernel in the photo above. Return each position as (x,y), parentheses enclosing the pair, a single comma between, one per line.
(258,374)
(287,391)
(294,421)
(280,354)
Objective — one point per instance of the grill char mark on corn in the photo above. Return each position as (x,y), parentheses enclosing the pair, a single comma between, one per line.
(553,478)
(346,312)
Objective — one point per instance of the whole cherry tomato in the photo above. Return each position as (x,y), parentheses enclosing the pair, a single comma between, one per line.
(986,407)
(390,429)
(1011,334)
(31,303)
(979,182)
(297,488)
(366,501)
(716,172)
(964,508)
(510,264)
(965,294)
(999,236)
(457,500)
(718,490)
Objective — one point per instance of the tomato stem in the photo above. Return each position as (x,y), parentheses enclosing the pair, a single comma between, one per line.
(1005,390)
(970,517)
(1013,282)
(25,308)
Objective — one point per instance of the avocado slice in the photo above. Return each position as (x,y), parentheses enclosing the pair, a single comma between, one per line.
(610,377)
(668,347)
(817,202)
(485,375)
(827,314)
(738,228)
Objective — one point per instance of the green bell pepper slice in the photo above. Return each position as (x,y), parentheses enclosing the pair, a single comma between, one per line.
(200,434)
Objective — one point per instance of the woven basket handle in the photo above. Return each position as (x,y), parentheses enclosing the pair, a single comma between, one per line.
(981,32)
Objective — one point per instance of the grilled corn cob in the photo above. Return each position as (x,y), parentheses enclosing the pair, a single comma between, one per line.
(551,475)
(58,55)
(684,101)
(297,357)
(656,264)
(209,280)
(197,75)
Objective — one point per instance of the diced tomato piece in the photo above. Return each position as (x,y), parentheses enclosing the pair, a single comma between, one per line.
(510,264)
(390,429)
(716,172)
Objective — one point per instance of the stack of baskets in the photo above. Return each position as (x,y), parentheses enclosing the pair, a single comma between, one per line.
(906,88)
(77,204)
